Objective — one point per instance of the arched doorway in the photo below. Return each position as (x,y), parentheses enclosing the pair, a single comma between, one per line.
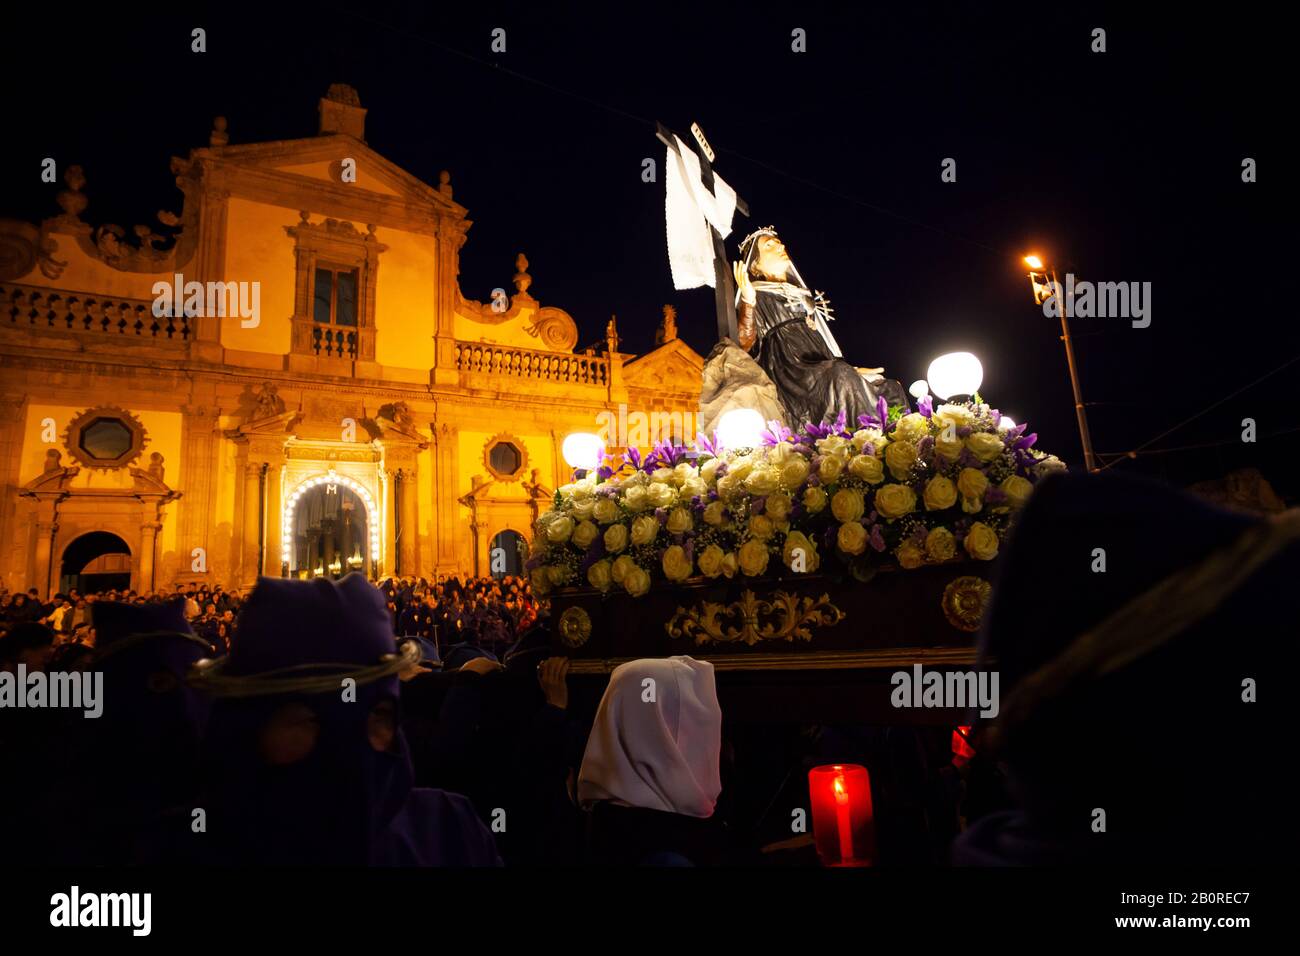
(507,553)
(97,561)
(330,534)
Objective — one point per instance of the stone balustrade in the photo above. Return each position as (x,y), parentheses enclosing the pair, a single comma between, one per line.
(487,359)
(36,309)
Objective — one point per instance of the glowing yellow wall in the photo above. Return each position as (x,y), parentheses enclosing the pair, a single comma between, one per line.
(259,250)
(404,300)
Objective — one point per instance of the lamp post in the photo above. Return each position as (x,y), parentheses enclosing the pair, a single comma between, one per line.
(1038,279)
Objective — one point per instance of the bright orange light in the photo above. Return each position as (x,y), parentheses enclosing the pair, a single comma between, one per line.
(841,795)
(1033,262)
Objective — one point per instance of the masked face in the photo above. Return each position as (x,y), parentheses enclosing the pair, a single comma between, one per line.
(771,259)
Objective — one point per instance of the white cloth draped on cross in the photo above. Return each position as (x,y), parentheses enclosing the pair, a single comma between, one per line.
(689,210)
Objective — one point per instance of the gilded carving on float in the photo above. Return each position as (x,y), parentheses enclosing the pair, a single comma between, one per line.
(575,627)
(750,620)
(964,600)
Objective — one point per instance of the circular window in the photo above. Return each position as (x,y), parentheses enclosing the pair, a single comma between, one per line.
(505,457)
(105,438)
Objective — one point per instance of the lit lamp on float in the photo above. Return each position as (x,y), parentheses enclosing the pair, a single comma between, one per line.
(919,389)
(582,452)
(955,377)
(843,822)
(740,428)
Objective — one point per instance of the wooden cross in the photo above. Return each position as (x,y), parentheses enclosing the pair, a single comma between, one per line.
(724,283)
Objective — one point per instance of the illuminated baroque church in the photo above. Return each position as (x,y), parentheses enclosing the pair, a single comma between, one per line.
(327,400)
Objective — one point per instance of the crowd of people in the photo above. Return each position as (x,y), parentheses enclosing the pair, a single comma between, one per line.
(432,723)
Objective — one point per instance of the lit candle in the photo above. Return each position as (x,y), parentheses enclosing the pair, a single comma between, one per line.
(843,825)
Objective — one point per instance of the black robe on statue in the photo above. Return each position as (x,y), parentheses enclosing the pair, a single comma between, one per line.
(814,385)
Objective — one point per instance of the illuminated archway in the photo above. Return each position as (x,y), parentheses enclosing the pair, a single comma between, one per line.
(373,518)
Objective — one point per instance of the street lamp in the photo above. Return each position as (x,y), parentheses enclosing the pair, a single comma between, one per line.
(582,452)
(1039,275)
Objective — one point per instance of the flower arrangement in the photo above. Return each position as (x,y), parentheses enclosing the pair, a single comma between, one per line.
(903,488)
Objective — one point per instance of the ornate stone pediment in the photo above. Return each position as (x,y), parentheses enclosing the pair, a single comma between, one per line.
(674,366)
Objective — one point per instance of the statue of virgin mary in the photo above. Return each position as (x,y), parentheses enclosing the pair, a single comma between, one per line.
(783,324)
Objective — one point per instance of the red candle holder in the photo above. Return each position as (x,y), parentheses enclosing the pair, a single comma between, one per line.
(843,822)
(962,751)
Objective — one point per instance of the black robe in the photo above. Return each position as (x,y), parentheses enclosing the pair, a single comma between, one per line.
(814,386)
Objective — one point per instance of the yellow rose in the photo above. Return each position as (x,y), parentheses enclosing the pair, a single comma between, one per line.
(753,557)
(847,504)
(984,446)
(832,445)
(585,533)
(715,513)
(644,529)
(623,565)
(637,581)
(635,498)
(559,529)
(867,468)
(684,473)
(909,555)
(830,467)
(559,573)
(693,486)
(677,566)
(711,561)
(800,554)
(940,545)
(959,416)
(600,576)
(740,467)
(852,538)
(761,527)
(794,471)
(972,484)
(1017,490)
(730,564)
(615,538)
(981,542)
(708,469)
(680,520)
(661,495)
(872,436)
(948,445)
(900,456)
(814,499)
(777,506)
(605,510)
(911,428)
(940,493)
(762,481)
(894,501)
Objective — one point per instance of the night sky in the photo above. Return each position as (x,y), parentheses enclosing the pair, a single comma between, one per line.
(1122,166)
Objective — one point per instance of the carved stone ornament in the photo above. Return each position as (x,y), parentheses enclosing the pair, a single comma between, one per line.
(751,619)
(575,627)
(133,436)
(964,600)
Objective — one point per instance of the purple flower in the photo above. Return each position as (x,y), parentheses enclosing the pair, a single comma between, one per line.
(925,405)
(805,450)
(707,443)
(775,433)
(758,505)
(964,431)
(995,496)
(662,515)
(877,540)
(634,456)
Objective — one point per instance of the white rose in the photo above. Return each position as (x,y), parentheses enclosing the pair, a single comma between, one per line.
(753,557)
(715,513)
(777,506)
(851,538)
(1017,490)
(676,565)
(708,469)
(683,473)
(900,456)
(814,499)
(984,446)
(661,495)
(762,481)
(635,498)
(585,533)
(847,504)
(680,521)
(693,486)
(599,575)
(867,468)
(623,565)
(711,560)
(605,510)
(662,475)
(615,538)
(584,509)
(761,527)
(559,529)
(644,529)
(911,427)
(637,581)
(830,467)
(959,416)
(794,471)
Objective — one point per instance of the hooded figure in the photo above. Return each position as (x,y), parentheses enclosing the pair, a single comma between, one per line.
(136,777)
(656,748)
(1129,627)
(305,760)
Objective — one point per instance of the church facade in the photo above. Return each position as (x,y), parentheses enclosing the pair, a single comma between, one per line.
(289,383)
